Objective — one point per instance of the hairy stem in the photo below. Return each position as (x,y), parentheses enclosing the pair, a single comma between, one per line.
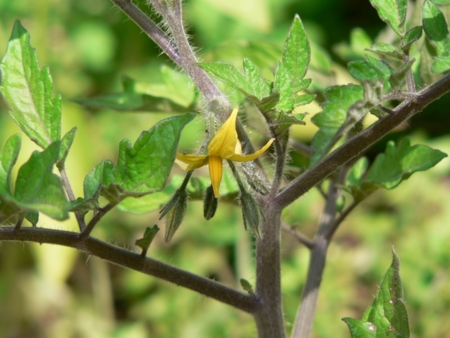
(134,261)
(71,195)
(269,318)
(360,142)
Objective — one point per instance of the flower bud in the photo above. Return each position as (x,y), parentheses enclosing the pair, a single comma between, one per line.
(209,203)
(175,211)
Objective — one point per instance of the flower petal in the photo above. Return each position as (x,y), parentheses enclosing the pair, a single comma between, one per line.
(215,173)
(224,143)
(250,157)
(193,161)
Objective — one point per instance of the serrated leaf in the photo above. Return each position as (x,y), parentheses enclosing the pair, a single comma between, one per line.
(338,101)
(388,311)
(381,48)
(399,163)
(301,100)
(360,329)
(435,27)
(28,90)
(411,36)
(441,64)
(393,12)
(66,144)
(283,85)
(260,86)
(229,75)
(38,189)
(296,52)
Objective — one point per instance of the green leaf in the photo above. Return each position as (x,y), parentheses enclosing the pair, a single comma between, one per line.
(143,168)
(386,49)
(28,90)
(399,163)
(442,2)
(66,144)
(229,75)
(117,101)
(435,27)
(441,64)
(38,189)
(338,101)
(388,311)
(260,87)
(387,316)
(360,329)
(411,36)
(147,239)
(393,12)
(8,157)
(283,85)
(296,52)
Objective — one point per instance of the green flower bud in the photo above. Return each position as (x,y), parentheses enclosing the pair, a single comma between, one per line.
(209,203)
(250,212)
(174,211)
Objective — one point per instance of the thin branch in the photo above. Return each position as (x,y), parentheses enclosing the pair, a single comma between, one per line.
(97,217)
(298,236)
(359,143)
(150,28)
(333,226)
(134,261)
(71,195)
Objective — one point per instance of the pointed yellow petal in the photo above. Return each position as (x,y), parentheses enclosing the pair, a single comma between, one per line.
(193,161)
(224,143)
(250,157)
(215,173)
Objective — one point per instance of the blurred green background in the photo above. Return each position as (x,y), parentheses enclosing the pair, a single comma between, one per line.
(48,291)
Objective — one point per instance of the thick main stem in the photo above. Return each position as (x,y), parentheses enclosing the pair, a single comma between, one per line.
(269,318)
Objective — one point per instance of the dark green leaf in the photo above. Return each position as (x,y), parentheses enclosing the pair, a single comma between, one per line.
(411,36)
(338,101)
(38,189)
(399,163)
(435,28)
(393,12)
(28,90)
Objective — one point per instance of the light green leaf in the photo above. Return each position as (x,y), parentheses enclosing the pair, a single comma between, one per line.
(296,52)
(399,163)
(442,2)
(441,64)
(338,101)
(393,12)
(28,90)
(38,189)
(260,87)
(381,48)
(283,85)
(66,144)
(435,27)
(8,157)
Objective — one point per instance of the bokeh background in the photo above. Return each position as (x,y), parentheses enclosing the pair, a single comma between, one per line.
(52,292)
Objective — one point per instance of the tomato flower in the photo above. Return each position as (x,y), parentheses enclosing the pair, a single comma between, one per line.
(224,146)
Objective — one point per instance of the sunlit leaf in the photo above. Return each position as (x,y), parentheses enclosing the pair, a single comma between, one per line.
(393,12)
(28,90)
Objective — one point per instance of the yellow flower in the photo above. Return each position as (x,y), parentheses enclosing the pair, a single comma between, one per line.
(224,146)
